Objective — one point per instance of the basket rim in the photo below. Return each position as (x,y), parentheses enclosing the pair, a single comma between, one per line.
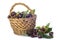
(24,18)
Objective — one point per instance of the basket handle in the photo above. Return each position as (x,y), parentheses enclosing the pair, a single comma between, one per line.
(20,4)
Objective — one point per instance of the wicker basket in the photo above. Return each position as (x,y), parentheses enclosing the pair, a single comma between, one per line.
(21,25)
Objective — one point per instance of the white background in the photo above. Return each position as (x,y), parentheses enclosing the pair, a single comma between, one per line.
(46,11)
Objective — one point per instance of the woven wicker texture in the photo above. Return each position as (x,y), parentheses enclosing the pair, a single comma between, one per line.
(21,25)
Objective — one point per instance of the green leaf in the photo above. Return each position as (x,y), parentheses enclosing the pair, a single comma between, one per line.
(33,11)
(25,13)
(38,27)
(49,29)
(47,26)
(18,12)
(46,36)
(40,33)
